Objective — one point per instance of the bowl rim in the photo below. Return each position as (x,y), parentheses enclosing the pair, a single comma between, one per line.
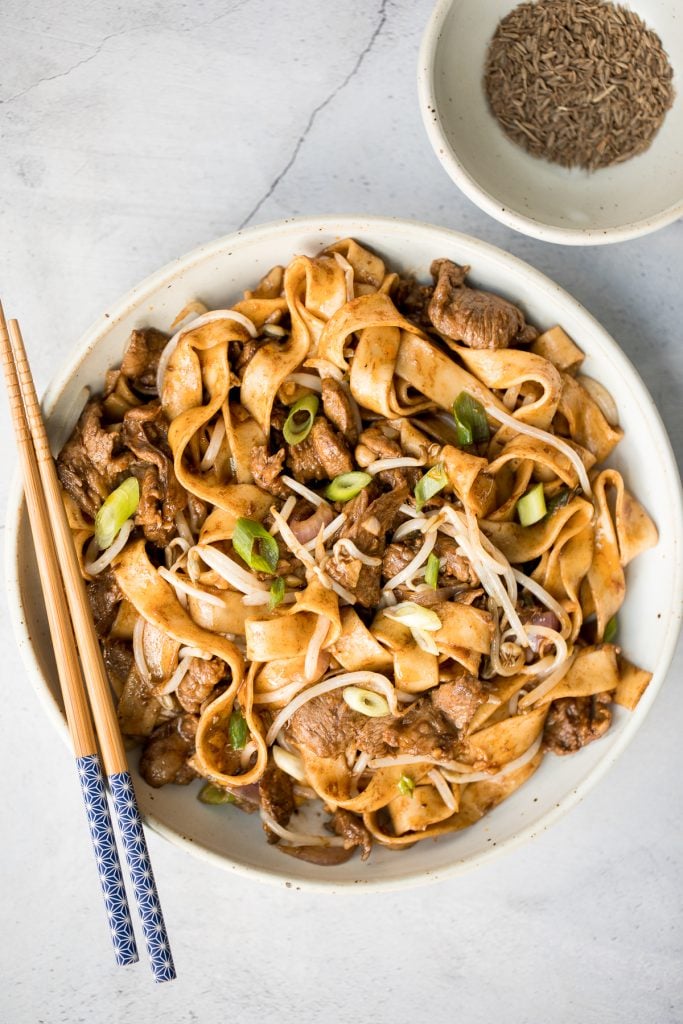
(344,225)
(467,183)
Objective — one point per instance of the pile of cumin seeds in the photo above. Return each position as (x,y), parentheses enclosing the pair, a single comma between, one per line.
(579,82)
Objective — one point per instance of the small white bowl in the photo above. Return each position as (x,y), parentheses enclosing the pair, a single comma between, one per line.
(572,207)
(649,620)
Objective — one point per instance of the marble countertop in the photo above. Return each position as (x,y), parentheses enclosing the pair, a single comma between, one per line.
(129,134)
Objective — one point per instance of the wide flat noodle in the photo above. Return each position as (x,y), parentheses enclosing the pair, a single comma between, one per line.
(420,809)
(500,369)
(496,745)
(587,424)
(470,478)
(556,346)
(424,367)
(313,290)
(525,543)
(476,800)
(633,682)
(356,648)
(213,736)
(594,670)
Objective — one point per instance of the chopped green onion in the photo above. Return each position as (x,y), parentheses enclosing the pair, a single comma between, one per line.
(300,420)
(610,630)
(277,593)
(430,484)
(238,730)
(210,794)
(432,571)
(255,545)
(369,703)
(559,500)
(531,506)
(347,486)
(471,424)
(118,507)
(406,785)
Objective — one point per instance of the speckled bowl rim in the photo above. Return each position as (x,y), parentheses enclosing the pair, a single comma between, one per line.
(344,225)
(468,184)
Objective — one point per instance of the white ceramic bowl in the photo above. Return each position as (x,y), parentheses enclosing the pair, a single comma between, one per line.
(531,195)
(217,273)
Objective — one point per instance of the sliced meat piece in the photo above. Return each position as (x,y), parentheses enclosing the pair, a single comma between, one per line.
(368,530)
(276,793)
(326,725)
(118,661)
(476,318)
(167,751)
(397,556)
(145,433)
(323,455)
(249,350)
(412,299)
(352,830)
(91,460)
(141,361)
(423,729)
(338,409)
(455,566)
(266,470)
(104,597)
(373,444)
(199,682)
(459,698)
(573,722)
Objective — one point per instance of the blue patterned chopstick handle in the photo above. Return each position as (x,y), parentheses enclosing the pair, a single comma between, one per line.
(107,859)
(142,876)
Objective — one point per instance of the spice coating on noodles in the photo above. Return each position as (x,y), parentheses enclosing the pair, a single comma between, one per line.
(361,550)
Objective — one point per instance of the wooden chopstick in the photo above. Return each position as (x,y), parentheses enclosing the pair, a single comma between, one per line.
(69,671)
(106,724)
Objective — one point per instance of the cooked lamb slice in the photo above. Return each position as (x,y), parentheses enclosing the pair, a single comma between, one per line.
(423,729)
(573,722)
(338,409)
(91,460)
(266,470)
(199,682)
(459,698)
(167,751)
(323,455)
(104,597)
(145,433)
(351,828)
(276,793)
(412,299)
(476,318)
(141,361)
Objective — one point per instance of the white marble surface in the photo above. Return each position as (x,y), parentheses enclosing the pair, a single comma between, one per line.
(128,134)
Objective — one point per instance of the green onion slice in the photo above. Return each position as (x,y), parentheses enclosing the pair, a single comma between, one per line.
(113,513)
(300,420)
(406,785)
(531,506)
(347,486)
(367,702)
(210,794)
(255,545)
(429,485)
(610,630)
(277,593)
(559,500)
(471,424)
(238,730)
(432,571)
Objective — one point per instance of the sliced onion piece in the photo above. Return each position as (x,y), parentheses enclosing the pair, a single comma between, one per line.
(602,398)
(306,380)
(414,616)
(138,649)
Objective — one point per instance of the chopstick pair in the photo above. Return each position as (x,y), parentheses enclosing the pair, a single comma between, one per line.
(85,686)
